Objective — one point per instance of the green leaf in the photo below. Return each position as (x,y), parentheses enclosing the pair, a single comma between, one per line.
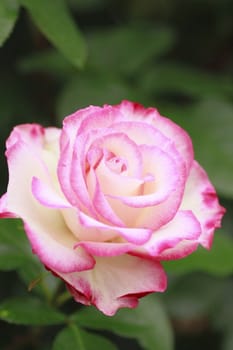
(218,261)
(126,49)
(15,253)
(12,234)
(29,311)
(38,279)
(8,15)
(11,258)
(31,272)
(13,245)
(55,22)
(74,338)
(50,61)
(148,323)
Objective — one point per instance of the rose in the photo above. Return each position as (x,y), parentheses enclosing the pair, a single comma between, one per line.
(107,198)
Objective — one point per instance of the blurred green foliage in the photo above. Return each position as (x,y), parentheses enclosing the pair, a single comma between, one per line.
(57,56)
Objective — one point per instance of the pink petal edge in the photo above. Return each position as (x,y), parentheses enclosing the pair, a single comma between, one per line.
(113,283)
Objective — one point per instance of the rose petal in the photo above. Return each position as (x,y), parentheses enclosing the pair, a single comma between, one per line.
(4,213)
(180,137)
(99,118)
(133,235)
(105,248)
(167,177)
(184,226)
(121,145)
(50,238)
(77,176)
(159,207)
(68,136)
(116,185)
(47,196)
(113,283)
(86,232)
(55,250)
(180,251)
(63,169)
(201,198)
(144,134)
(167,127)
(135,111)
(100,202)
(72,146)
(23,164)
(28,133)
(72,123)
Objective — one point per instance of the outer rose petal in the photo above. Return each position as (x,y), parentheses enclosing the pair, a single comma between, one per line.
(4,212)
(28,133)
(201,198)
(180,137)
(56,255)
(181,250)
(116,282)
(184,226)
(50,238)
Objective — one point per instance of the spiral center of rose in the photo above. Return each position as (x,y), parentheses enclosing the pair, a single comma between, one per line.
(116,164)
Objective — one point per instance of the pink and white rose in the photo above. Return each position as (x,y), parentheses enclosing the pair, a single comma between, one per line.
(108,197)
